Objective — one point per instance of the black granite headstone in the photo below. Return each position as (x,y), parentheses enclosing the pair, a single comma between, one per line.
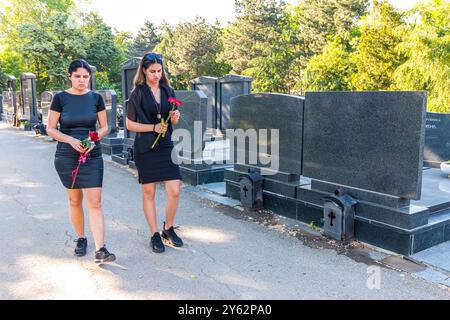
(437,139)
(228,87)
(283,113)
(208,85)
(28,110)
(367,140)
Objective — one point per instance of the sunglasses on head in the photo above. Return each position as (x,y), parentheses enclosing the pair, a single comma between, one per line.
(153,56)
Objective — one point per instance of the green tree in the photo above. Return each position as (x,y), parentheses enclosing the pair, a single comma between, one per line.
(102,52)
(321,19)
(40,37)
(146,40)
(426,45)
(253,30)
(333,68)
(190,50)
(377,56)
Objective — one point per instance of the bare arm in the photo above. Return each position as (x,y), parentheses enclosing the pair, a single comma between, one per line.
(140,127)
(102,124)
(103,127)
(53,118)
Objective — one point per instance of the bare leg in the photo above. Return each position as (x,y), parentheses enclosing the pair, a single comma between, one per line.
(148,203)
(96,221)
(76,211)
(173,197)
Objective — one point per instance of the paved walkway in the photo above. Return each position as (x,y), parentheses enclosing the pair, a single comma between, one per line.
(228,253)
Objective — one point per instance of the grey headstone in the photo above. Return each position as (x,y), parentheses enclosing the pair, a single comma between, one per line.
(194,108)
(129,69)
(208,85)
(28,111)
(437,139)
(110,99)
(228,87)
(46,101)
(271,111)
(366,140)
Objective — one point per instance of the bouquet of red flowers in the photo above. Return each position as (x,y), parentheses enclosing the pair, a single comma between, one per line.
(175,104)
(86,143)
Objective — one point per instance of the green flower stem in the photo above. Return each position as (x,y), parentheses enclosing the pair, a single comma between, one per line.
(163,135)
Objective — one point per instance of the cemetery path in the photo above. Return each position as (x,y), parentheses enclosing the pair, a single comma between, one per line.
(225,256)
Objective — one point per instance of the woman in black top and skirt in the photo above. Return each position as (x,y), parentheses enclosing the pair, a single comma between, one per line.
(77,111)
(147,105)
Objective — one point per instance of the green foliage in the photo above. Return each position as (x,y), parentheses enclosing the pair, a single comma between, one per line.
(146,40)
(190,51)
(311,45)
(377,56)
(333,68)
(320,19)
(426,44)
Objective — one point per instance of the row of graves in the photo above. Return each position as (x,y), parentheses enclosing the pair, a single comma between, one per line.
(361,165)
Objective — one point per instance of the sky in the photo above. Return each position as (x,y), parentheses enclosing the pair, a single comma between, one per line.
(130,15)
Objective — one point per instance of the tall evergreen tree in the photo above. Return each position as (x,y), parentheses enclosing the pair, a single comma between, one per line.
(190,50)
(377,55)
(146,40)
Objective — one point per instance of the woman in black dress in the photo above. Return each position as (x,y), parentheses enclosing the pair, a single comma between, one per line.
(77,111)
(148,104)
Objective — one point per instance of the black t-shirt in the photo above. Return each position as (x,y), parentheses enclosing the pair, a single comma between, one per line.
(141,108)
(77,111)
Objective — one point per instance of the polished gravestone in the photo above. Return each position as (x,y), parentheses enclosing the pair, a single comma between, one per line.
(10,101)
(368,140)
(28,110)
(208,85)
(228,87)
(196,168)
(129,69)
(274,124)
(111,144)
(369,144)
(46,101)
(9,106)
(437,139)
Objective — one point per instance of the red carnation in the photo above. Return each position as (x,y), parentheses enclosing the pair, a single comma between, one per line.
(93,136)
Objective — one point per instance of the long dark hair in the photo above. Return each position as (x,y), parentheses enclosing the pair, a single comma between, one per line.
(147,61)
(79,63)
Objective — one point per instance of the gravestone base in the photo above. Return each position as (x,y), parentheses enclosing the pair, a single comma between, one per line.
(389,223)
(112,145)
(196,174)
(402,229)
(126,155)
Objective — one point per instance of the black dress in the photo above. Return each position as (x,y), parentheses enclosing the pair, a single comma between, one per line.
(155,164)
(78,117)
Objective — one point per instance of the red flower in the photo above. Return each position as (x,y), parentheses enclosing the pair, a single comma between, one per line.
(175,102)
(93,136)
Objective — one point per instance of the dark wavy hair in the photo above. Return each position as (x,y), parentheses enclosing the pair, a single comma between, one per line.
(79,63)
(147,61)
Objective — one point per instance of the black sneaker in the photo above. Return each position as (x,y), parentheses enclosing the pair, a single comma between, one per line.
(171,236)
(103,255)
(80,249)
(156,243)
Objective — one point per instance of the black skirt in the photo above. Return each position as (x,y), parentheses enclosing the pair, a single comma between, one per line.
(90,174)
(156,165)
